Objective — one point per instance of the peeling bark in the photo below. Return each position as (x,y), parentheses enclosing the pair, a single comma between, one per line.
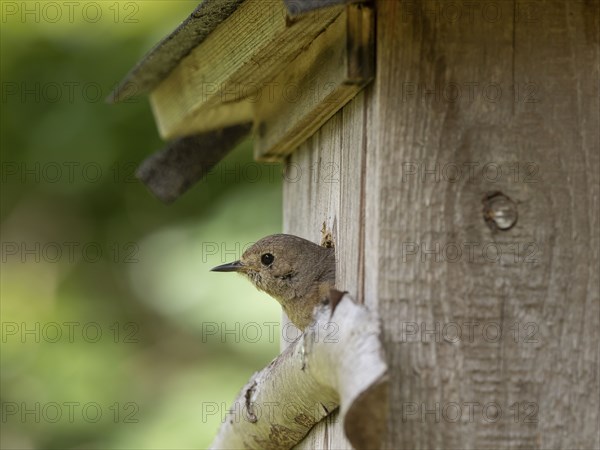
(337,362)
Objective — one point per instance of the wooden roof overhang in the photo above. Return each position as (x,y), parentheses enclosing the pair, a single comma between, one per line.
(275,68)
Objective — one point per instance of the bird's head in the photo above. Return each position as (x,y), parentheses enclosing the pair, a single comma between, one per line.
(284,266)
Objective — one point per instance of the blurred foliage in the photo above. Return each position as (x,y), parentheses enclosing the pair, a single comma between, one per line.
(114,332)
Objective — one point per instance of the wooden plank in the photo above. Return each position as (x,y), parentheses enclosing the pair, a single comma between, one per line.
(212,119)
(322,188)
(232,64)
(171,171)
(515,91)
(315,85)
(156,65)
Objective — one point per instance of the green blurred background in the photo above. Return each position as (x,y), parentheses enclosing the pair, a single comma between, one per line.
(114,332)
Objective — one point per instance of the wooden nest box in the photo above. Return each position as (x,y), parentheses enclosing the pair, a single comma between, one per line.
(460,188)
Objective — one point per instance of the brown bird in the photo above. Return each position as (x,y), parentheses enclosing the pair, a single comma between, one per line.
(295,272)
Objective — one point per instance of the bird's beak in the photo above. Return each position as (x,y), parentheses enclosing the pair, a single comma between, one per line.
(234,266)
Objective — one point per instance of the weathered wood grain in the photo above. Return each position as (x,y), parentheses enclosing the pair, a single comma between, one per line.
(156,65)
(316,84)
(545,284)
(454,102)
(232,65)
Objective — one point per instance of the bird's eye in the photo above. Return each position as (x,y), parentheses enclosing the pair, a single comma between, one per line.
(267,259)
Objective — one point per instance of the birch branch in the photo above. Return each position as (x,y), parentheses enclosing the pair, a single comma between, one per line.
(337,361)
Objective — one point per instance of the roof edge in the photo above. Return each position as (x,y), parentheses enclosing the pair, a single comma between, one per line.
(158,63)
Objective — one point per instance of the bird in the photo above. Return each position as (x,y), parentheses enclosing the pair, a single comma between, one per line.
(294,271)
